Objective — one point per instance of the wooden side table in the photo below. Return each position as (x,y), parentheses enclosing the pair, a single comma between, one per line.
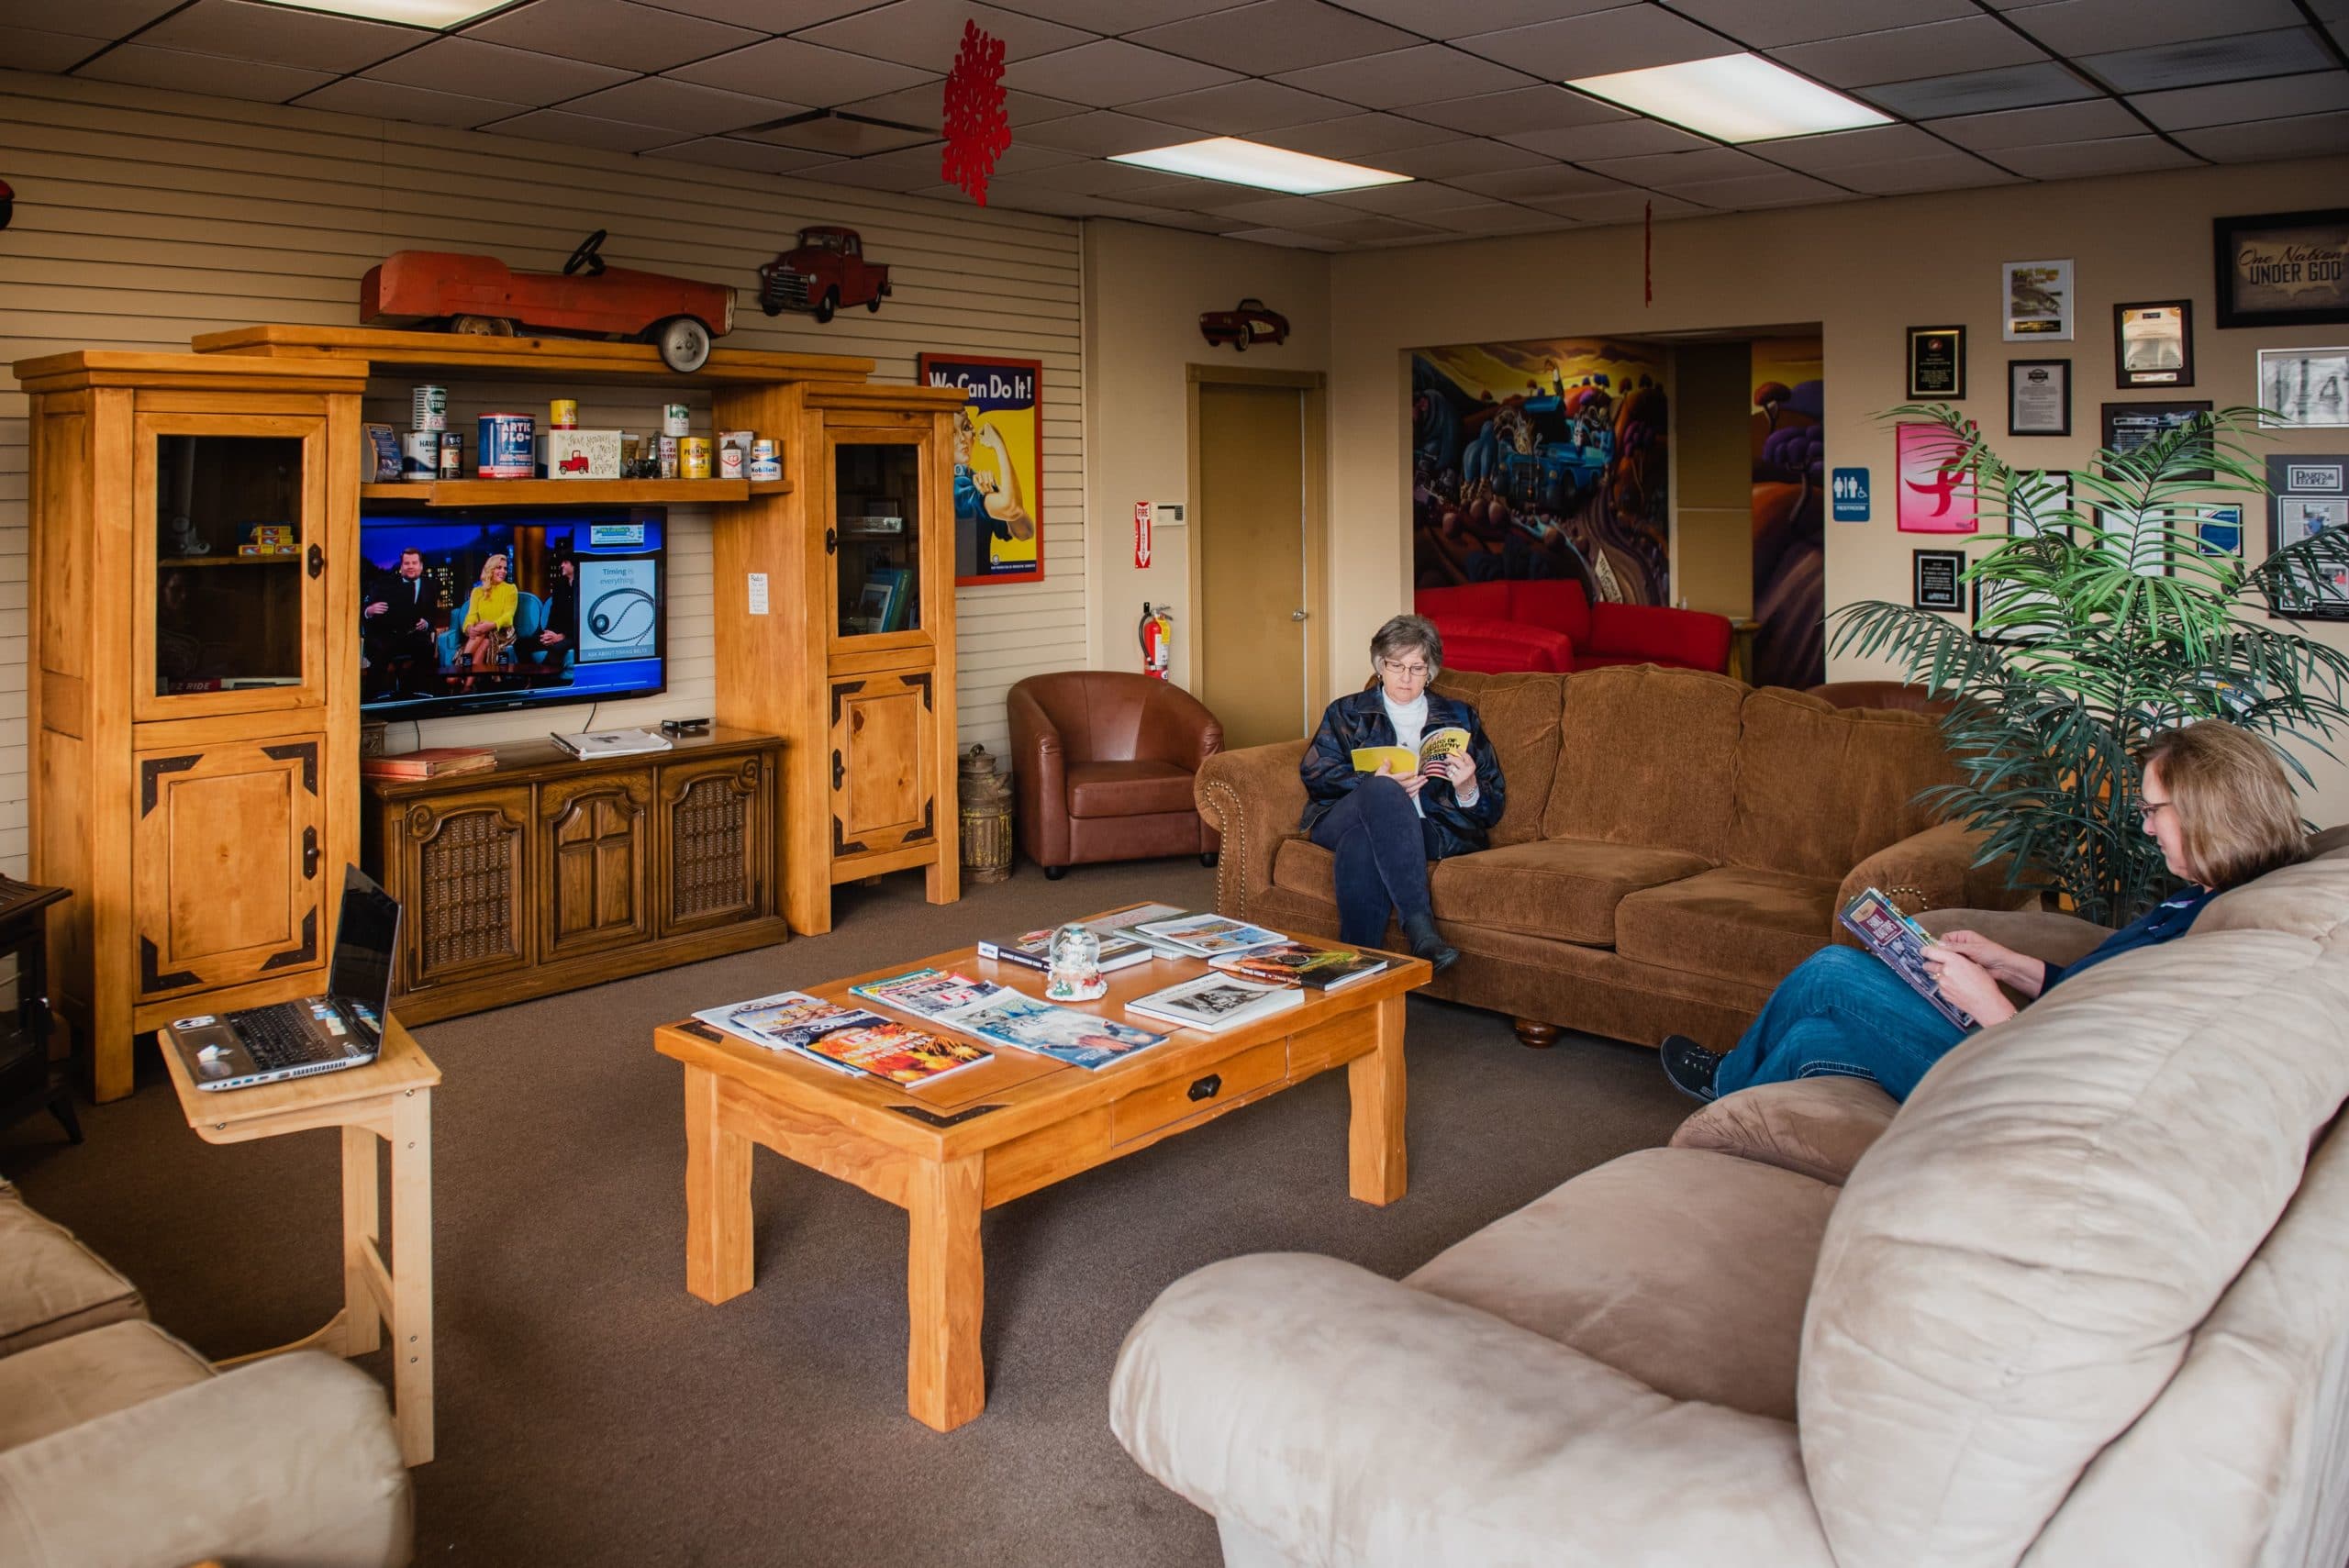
(390,1101)
(28,1082)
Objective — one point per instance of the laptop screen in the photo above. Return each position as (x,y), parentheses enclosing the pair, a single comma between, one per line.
(365,938)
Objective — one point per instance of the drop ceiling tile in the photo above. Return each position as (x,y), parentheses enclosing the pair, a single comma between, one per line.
(1680,168)
(1104,134)
(1357,136)
(1629,38)
(583,130)
(681,107)
(390,101)
(1195,196)
(1095,177)
(2303,136)
(1627,138)
(1021,196)
(1273,36)
(1947,169)
(610,32)
(1935,48)
(802,72)
(1516,113)
(1769,24)
(1451,19)
(927,158)
(2091,27)
(929,33)
(1197,222)
(1418,196)
(1623,206)
(2236,58)
(277,35)
(1109,71)
(1285,238)
(2085,121)
(751,157)
(1548,183)
(1981,91)
(143,66)
(108,20)
(1843,149)
(1365,228)
(2232,103)
(1266,210)
(1448,159)
(1127,15)
(1424,74)
(2076,160)
(475,68)
(842,137)
(1242,108)
(1501,217)
(926,106)
(27,49)
(768,16)
(1781,189)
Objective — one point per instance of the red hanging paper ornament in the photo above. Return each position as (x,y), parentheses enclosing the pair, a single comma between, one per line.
(976,129)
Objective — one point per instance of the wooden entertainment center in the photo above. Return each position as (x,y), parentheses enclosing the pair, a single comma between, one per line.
(193,707)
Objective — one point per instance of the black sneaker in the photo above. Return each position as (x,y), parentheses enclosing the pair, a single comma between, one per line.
(1690,1066)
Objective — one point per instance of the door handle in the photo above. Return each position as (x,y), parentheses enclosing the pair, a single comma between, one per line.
(1207,1088)
(309,853)
(317,560)
(837,770)
(1300,615)
(831,541)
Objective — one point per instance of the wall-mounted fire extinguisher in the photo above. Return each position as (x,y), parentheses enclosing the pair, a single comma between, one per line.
(1156,631)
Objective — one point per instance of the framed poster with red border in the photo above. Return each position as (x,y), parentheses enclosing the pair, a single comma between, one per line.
(998,466)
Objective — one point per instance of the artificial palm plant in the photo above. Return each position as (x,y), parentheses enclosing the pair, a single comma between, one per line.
(2104,615)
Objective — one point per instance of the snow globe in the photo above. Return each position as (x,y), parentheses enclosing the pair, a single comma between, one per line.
(1075,973)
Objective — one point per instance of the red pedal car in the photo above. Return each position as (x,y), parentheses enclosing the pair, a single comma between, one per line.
(482,294)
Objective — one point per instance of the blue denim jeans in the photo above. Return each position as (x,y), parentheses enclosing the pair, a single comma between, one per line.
(1381,847)
(1841,1012)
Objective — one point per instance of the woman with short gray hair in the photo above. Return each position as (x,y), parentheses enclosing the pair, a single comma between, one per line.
(1395,777)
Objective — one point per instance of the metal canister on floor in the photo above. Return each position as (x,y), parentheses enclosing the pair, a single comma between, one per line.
(984,797)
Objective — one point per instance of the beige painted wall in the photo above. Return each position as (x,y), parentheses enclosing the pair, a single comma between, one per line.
(1712,478)
(1144,289)
(1865,271)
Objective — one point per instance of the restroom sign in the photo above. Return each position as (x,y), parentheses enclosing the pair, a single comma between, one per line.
(1850,490)
(1143,513)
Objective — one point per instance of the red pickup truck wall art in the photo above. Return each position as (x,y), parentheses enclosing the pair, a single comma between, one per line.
(824,272)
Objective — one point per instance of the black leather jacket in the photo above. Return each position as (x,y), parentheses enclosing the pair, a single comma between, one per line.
(1360,719)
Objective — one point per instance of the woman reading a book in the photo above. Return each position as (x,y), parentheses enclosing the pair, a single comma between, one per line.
(2214,797)
(1396,777)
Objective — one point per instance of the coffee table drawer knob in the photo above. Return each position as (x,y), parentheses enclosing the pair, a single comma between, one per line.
(1207,1087)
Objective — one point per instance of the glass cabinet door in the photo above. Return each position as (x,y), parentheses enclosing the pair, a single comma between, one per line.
(876,526)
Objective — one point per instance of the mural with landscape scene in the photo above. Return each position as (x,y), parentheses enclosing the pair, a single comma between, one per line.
(1541,459)
(1789,512)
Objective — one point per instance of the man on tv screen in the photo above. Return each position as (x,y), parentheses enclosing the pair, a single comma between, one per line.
(395,624)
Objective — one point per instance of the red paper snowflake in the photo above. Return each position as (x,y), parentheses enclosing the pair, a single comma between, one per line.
(976,129)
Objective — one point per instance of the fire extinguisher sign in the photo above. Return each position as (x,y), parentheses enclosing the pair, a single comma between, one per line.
(1143,511)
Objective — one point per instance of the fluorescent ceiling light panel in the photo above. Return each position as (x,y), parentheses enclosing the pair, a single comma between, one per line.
(1238,162)
(1734,98)
(433,14)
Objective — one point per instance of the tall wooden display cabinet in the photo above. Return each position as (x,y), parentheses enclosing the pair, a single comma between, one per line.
(191,695)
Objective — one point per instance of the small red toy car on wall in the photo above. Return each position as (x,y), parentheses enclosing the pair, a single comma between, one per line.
(481,294)
(1251,323)
(826,270)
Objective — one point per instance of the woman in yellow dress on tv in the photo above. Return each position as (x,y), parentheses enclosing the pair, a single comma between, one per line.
(487,626)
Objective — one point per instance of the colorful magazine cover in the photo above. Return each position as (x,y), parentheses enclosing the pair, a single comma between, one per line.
(1324,969)
(898,1052)
(1214,1002)
(929,993)
(1209,936)
(1901,942)
(788,1020)
(1064,1034)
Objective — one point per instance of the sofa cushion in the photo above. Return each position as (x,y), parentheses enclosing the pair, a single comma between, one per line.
(1821,788)
(67,1382)
(1815,1127)
(1485,643)
(51,1285)
(1127,789)
(1466,599)
(1686,1269)
(1644,757)
(1564,888)
(1519,713)
(1303,867)
(1742,922)
(1557,603)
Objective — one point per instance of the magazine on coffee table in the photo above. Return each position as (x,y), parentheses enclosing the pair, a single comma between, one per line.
(1207,936)
(899,1052)
(819,1032)
(1901,942)
(1215,1002)
(1322,969)
(1064,1034)
(929,993)
(1032,950)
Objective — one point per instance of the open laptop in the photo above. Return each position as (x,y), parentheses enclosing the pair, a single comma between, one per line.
(317,1034)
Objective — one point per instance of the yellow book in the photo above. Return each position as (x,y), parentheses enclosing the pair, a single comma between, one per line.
(1435,744)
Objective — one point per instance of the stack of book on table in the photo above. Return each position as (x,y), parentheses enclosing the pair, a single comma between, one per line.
(431,762)
(1032,950)
(1006,1016)
(1322,969)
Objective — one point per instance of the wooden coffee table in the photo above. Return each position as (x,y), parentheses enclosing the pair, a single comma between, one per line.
(947,1150)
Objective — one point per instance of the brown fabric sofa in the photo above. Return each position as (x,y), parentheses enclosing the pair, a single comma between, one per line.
(1675,842)
(1102,765)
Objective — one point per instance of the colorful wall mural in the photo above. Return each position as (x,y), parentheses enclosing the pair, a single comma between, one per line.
(1541,459)
(1789,512)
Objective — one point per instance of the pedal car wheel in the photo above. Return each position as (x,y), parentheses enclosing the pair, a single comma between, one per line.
(483,326)
(826,306)
(684,343)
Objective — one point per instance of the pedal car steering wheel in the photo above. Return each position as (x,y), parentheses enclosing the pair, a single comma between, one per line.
(585,257)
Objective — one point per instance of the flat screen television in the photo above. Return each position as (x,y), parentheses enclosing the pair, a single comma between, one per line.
(466,611)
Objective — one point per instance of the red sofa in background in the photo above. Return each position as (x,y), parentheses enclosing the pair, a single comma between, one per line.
(1551,626)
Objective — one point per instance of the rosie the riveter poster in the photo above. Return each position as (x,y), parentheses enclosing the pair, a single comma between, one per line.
(998,466)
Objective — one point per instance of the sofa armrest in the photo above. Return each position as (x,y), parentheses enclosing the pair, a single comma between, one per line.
(1814,1127)
(1338,1416)
(1038,778)
(284,1461)
(2037,933)
(1936,864)
(1254,797)
(1179,730)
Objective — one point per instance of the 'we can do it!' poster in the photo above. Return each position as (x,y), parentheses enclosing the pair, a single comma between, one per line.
(998,466)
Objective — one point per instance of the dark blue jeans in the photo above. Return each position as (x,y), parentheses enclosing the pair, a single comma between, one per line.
(1841,1012)
(1382,852)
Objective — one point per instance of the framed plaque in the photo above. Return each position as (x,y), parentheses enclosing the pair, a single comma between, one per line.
(2039,397)
(2130,425)
(2038,301)
(2152,344)
(1933,579)
(2283,269)
(2309,495)
(1937,363)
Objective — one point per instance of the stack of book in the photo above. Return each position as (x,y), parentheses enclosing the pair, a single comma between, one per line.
(1032,950)
(431,762)
(846,1039)
(1285,964)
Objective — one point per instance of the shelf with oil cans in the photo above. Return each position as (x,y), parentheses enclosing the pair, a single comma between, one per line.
(576,491)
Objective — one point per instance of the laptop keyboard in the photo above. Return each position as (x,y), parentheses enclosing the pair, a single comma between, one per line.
(277,1039)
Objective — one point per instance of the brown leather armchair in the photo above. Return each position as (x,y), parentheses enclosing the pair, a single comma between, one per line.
(1103,763)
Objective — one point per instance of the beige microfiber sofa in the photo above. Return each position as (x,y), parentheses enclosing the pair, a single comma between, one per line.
(1675,841)
(119,1445)
(2083,1300)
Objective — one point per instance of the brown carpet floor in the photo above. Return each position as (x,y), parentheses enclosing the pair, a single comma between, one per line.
(592,1412)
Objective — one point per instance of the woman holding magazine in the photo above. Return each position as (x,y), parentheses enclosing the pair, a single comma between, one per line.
(2214,797)
(1385,818)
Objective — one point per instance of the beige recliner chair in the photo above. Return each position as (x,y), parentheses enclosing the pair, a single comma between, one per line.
(2084,1300)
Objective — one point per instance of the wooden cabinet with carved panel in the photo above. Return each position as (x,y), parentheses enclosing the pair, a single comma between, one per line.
(548,872)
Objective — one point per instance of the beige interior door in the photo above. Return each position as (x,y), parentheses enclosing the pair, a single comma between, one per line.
(1250,540)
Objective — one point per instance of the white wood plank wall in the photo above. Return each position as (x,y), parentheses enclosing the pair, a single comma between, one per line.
(143,218)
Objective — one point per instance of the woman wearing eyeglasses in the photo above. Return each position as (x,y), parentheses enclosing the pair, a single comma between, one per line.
(1385,827)
(2214,797)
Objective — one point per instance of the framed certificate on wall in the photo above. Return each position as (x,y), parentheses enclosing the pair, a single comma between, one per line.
(2039,397)
(1937,363)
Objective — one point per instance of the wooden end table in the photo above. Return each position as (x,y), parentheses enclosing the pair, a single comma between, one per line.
(388,1101)
(947,1151)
